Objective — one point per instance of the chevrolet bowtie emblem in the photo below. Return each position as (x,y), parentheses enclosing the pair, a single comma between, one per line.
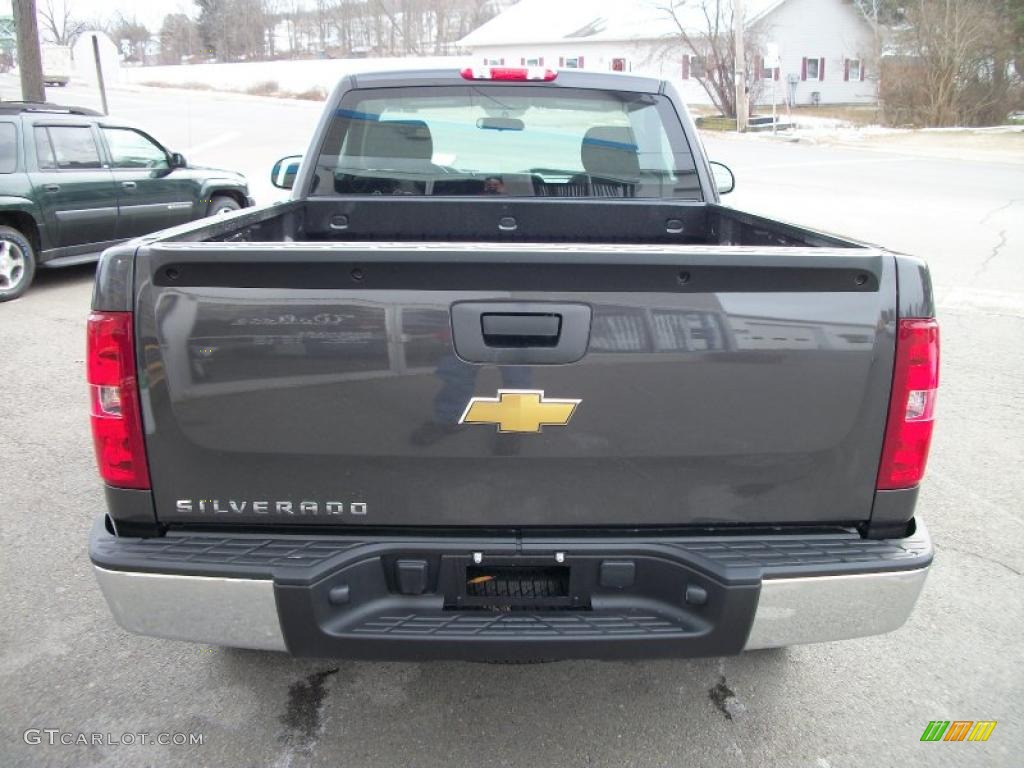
(519,410)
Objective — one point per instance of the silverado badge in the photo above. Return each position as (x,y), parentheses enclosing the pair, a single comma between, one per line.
(519,410)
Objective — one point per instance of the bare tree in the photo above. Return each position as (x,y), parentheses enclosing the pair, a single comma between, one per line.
(882,16)
(1015,9)
(710,43)
(399,27)
(341,27)
(178,38)
(322,11)
(298,24)
(131,37)
(951,64)
(272,16)
(233,29)
(59,26)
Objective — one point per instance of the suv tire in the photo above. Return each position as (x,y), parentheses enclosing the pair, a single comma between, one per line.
(222,204)
(17,263)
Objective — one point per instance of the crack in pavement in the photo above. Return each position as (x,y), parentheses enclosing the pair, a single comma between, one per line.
(999,208)
(980,556)
(995,252)
(1001,243)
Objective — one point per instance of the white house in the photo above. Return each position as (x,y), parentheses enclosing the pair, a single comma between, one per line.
(825,46)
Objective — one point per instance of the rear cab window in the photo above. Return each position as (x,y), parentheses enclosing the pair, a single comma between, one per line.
(66,147)
(524,141)
(8,148)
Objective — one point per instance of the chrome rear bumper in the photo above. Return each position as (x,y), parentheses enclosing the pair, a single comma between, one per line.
(329,596)
(818,609)
(240,613)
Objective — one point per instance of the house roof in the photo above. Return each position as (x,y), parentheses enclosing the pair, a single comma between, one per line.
(555,21)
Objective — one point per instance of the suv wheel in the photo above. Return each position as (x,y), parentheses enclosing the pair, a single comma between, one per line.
(17,263)
(222,204)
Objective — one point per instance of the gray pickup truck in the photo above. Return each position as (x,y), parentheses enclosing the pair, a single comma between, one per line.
(504,380)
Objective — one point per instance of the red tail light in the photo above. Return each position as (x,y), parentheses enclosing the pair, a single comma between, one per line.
(509,73)
(915,381)
(114,400)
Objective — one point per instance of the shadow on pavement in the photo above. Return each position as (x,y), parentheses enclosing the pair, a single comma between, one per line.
(59,277)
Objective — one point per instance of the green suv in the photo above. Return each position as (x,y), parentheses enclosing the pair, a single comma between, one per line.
(73,182)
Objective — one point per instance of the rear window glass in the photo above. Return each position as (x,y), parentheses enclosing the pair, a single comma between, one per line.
(521,141)
(44,150)
(8,148)
(67,147)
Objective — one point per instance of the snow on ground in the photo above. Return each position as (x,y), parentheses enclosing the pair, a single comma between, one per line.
(818,129)
(810,128)
(295,76)
(1001,144)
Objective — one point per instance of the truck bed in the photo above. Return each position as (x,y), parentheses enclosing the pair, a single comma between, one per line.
(497,220)
(735,371)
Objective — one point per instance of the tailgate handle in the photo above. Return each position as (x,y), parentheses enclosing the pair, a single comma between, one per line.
(520,332)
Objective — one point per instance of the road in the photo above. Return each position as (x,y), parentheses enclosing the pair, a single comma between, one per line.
(66,665)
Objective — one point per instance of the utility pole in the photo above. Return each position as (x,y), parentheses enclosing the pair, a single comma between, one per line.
(30,65)
(99,72)
(742,103)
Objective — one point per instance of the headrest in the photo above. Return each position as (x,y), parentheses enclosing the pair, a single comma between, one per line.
(399,139)
(610,151)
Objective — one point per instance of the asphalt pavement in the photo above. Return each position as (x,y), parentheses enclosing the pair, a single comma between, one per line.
(65,665)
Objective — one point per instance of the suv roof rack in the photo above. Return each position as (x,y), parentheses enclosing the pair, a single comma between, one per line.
(17,107)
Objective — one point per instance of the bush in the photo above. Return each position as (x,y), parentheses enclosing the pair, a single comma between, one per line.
(265,88)
(909,97)
(312,94)
(953,66)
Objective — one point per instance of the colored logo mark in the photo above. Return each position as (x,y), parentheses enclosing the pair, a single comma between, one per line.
(958,730)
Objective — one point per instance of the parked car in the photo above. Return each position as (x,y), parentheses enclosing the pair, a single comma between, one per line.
(73,182)
(504,380)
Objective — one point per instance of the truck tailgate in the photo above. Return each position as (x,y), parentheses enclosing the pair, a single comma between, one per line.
(308,384)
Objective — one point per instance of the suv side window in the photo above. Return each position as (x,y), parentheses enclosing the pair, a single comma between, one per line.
(67,147)
(131,149)
(8,148)
(44,150)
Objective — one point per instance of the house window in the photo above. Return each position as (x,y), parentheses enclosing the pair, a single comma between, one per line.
(853,70)
(697,68)
(536,61)
(572,62)
(492,62)
(812,69)
(618,65)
